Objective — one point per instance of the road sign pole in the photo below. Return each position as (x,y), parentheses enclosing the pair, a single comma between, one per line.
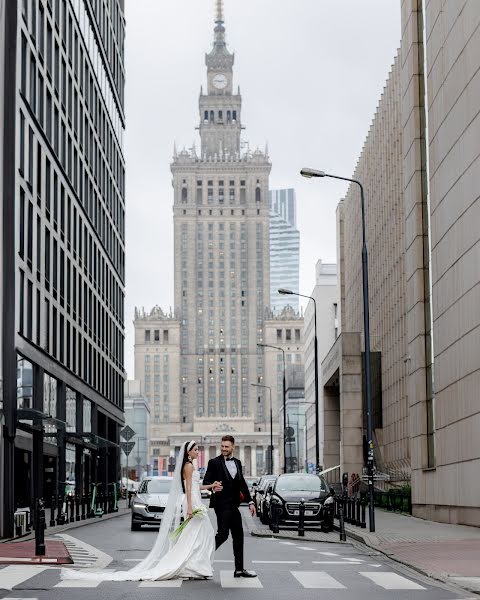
(126,485)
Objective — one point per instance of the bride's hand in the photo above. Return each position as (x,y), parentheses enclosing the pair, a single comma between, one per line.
(189,512)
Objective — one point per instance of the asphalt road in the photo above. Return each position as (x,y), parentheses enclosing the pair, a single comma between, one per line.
(286,569)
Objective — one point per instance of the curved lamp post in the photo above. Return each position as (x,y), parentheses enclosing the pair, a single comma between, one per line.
(309,173)
(284,401)
(270,466)
(317,430)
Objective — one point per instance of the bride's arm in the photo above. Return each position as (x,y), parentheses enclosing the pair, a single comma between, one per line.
(187,473)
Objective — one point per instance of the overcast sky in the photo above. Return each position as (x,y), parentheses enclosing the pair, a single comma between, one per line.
(311,73)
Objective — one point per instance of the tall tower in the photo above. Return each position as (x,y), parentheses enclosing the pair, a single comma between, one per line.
(221,232)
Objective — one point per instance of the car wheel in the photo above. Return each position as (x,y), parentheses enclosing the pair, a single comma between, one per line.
(135,526)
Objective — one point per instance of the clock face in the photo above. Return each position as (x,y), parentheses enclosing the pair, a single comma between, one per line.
(220,81)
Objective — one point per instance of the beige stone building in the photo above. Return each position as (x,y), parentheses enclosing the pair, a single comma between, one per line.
(420,170)
(157,359)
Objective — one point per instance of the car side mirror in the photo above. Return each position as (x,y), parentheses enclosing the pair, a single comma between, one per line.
(254,484)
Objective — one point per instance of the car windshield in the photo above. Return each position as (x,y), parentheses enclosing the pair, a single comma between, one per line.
(307,483)
(156,486)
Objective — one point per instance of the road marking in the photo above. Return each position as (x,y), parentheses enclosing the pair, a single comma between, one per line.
(353,560)
(332,562)
(175,583)
(317,580)
(288,543)
(306,548)
(77,583)
(391,581)
(229,581)
(276,562)
(223,561)
(132,559)
(373,565)
(16,574)
(329,553)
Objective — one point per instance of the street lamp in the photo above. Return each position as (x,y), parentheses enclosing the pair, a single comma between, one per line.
(271,424)
(284,401)
(317,429)
(309,173)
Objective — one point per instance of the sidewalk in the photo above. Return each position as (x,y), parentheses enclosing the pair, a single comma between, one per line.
(446,552)
(21,550)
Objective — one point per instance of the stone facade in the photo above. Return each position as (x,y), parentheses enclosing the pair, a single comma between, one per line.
(441,129)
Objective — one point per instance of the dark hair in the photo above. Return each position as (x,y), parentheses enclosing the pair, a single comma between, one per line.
(228,438)
(184,462)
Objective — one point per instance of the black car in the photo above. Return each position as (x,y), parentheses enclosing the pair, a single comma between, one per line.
(287,493)
(259,491)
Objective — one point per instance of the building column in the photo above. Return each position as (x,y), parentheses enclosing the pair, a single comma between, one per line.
(253,461)
(242,455)
(37,436)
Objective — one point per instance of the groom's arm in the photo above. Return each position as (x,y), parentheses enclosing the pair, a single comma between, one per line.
(209,476)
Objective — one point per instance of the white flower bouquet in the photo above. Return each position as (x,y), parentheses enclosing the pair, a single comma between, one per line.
(201,511)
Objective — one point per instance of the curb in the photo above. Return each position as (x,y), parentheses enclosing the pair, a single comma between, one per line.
(60,528)
(270,534)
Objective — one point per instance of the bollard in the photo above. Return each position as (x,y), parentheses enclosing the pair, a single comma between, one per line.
(343,536)
(358,502)
(52,512)
(60,514)
(354,511)
(39,528)
(363,522)
(301,518)
(71,502)
(347,510)
(274,526)
(84,503)
(77,508)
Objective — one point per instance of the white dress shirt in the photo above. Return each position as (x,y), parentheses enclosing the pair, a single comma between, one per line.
(232,467)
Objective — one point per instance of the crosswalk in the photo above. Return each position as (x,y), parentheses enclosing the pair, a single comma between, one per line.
(17,576)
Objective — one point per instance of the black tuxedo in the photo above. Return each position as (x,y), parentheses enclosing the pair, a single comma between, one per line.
(226,503)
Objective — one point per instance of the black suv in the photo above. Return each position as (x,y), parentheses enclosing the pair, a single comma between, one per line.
(287,493)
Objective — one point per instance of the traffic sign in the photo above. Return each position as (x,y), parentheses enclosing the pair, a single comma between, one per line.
(127,447)
(127,433)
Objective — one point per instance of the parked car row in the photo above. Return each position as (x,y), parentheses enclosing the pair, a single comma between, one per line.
(270,493)
(285,493)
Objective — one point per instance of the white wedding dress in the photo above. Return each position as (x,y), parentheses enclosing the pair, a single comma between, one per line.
(190,555)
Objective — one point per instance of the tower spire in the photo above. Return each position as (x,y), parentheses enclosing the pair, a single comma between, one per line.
(219,18)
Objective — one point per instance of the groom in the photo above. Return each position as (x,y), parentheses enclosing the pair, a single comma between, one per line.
(225,502)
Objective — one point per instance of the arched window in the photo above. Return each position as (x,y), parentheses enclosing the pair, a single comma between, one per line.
(234,116)
(184,195)
(229,116)
(212,116)
(258,195)
(220,115)
(205,116)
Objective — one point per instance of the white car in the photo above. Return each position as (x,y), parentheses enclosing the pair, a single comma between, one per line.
(150,501)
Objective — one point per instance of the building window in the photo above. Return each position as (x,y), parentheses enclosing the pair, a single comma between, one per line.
(147,335)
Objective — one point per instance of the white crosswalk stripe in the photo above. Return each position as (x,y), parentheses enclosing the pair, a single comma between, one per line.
(317,580)
(391,581)
(171,583)
(14,575)
(77,583)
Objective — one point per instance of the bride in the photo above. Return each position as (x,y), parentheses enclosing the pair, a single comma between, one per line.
(185,554)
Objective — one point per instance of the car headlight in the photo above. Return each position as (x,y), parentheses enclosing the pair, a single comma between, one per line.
(329,500)
(139,505)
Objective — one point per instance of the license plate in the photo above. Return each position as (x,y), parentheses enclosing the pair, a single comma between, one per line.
(308,513)
(158,515)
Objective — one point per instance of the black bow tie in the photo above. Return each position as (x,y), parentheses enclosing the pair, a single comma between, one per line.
(229,459)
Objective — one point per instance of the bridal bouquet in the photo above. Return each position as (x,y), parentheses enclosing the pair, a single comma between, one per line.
(202,511)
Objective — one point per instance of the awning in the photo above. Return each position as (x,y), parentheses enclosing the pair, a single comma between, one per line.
(37,416)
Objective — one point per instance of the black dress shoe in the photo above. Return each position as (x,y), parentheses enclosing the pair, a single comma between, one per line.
(244,573)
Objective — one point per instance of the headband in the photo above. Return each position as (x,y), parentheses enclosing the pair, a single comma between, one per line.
(191,445)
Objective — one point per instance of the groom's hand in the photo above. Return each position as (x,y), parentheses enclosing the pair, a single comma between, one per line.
(253,512)
(217,486)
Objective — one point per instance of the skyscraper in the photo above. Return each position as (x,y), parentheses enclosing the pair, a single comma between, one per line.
(284,249)
(222,279)
(63,247)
